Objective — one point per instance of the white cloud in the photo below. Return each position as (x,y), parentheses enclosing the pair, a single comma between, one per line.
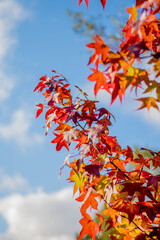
(18,130)
(11,12)
(40,216)
(152,117)
(13,183)
(6,85)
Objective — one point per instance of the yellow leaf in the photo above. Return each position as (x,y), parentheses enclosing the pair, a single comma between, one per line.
(77,178)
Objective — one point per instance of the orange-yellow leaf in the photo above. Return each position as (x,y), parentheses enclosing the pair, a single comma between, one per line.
(133,13)
(148,102)
(76,177)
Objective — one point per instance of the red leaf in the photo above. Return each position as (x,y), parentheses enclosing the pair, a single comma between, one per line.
(153,180)
(103,3)
(83,139)
(93,169)
(41,86)
(116,91)
(139,2)
(87,2)
(39,111)
(60,142)
(80,1)
(44,78)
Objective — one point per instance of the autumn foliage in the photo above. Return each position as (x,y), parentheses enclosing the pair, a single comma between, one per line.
(101,172)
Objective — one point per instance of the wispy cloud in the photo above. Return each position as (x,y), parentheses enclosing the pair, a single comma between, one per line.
(12,183)
(152,117)
(40,216)
(17,130)
(11,13)
(6,85)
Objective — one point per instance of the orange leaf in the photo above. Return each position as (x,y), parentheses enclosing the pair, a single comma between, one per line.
(88,227)
(63,127)
(101,49)
(120,164)
(100,79)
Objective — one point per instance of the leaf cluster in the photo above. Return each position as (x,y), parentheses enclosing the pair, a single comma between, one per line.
(101,171)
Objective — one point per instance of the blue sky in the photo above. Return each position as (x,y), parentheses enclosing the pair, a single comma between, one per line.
(36,37)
